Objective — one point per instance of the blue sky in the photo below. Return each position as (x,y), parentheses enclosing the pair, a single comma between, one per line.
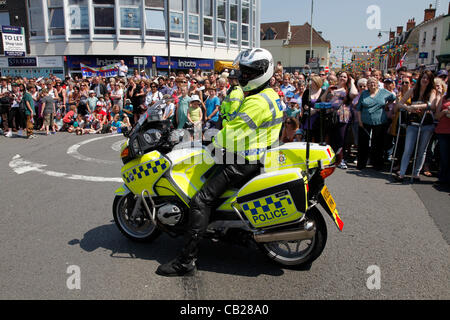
(344,22)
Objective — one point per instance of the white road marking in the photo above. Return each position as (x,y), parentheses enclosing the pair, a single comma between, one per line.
(73,150)
(21,166)
(116,146)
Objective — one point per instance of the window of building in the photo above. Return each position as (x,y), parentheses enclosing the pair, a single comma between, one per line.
(245,23)
(55,17)
(221,22)
(424,38)
(208,14)
(234,18)
(253,23)
(434,34)
(309,56)
(78,17)
(433,54)
(155,18)
(36,21)
(130,17)
(104,21)
(4,18)
(194,19)
(176,19)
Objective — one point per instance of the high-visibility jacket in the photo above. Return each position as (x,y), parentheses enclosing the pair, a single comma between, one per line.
(255,127)
(231,104)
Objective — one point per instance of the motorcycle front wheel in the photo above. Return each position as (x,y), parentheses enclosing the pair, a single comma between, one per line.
(299,253)
(139,229)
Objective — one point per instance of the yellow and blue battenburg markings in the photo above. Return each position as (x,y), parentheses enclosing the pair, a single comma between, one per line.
(145,170)
(274,207)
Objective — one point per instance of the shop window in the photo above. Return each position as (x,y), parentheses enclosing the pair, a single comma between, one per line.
(155,18)
(104,17)
(130,17)
(78,17)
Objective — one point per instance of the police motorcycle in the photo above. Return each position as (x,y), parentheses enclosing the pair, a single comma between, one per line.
(276,211)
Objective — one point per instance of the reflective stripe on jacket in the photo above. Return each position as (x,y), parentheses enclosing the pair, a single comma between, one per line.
(231,104)
(255,127)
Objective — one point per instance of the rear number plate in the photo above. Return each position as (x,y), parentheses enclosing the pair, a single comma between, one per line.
(328,199)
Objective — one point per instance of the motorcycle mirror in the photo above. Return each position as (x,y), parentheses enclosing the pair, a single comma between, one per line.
(125,132)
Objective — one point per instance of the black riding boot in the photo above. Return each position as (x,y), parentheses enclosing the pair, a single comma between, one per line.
(201,204)
(184,264)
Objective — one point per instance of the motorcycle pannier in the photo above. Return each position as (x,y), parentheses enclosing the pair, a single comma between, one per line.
(274,198)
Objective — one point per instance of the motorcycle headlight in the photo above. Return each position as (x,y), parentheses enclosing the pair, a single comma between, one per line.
(176,136)
(152,137)
(135,146)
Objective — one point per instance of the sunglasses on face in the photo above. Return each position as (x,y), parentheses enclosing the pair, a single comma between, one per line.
(405,83)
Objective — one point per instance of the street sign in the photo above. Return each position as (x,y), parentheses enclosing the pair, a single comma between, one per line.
(13,41)
(140,60)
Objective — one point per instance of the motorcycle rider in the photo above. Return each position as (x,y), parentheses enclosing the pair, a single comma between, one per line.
(234,98)
(255,127)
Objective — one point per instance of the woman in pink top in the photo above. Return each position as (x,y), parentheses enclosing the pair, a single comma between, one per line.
(443,134)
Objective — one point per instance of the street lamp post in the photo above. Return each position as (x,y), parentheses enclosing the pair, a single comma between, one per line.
(389,46)
(168,34)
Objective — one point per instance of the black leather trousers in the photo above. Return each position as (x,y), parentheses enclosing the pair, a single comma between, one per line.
(226,177)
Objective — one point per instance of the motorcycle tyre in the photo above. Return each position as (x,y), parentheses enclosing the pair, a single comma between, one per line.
(319,244)
(151,237)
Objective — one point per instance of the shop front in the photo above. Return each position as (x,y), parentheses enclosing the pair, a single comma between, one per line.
(183,64)
(32,67)
(74,63)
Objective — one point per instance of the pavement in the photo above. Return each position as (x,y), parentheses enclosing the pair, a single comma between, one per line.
(56,198)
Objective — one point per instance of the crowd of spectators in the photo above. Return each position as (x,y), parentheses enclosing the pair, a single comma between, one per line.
(363,117)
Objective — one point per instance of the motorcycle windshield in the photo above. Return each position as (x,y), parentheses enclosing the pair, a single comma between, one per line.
(153,111)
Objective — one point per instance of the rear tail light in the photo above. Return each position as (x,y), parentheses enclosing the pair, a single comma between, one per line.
(325,173)
(124,153)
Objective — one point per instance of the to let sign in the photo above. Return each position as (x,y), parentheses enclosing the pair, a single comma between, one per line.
(13,41)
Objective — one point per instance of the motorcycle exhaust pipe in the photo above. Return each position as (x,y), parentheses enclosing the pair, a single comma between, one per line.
(304,234)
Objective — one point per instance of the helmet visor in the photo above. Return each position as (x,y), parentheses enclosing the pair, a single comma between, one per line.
(248,74)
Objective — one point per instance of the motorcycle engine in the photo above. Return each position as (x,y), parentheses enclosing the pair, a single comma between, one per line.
(169,214)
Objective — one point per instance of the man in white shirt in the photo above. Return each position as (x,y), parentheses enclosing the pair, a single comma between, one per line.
(123,69)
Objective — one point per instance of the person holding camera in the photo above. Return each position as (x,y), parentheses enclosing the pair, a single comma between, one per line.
(443,134)
(16,115)
(5,105)
(420,122)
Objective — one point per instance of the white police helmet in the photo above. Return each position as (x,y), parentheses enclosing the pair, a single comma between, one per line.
(256,68)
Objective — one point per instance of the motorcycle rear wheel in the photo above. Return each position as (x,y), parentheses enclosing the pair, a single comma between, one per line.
(305,251)
(140,230)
